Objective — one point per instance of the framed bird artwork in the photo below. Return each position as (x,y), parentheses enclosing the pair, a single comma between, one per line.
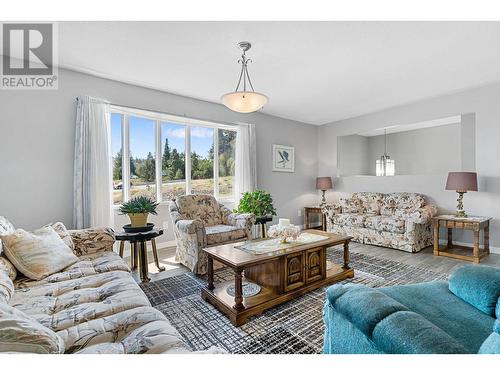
(283,158)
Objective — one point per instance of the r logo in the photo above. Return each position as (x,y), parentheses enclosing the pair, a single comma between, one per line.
(27,49)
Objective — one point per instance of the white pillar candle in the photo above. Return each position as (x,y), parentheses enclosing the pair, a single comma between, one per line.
(284,222)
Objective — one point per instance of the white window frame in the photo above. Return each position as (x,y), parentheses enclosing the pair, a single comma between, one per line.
(160,118)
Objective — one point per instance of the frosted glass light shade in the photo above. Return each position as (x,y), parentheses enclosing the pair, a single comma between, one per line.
(385,167)
(244,101)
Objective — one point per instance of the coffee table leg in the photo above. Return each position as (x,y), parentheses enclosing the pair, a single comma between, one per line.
(346,254)
(238,290)
(143,262)
(210,273)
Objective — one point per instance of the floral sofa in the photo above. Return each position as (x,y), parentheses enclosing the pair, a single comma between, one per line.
(92,306)
(396,220)
(200,221)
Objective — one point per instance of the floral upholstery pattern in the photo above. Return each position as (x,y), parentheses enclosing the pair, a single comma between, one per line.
(92,306)
(200,206)
(403,221)
(385,223)
(351,220)
(68,303)
(224,233)
(136,331)
(20,333)
(87,265)
(370,202)
(200,221)
(351,205)
(6,285)
(92,240)
(7,265)
(403,202)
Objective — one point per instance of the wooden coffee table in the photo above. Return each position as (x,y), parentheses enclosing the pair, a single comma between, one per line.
(282,275)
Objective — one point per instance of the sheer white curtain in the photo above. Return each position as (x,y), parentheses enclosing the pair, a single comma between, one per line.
(246,161)
(92,170)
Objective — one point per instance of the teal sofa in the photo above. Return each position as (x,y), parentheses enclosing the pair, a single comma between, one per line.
(458,316)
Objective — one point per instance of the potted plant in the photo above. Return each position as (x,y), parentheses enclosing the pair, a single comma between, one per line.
(138,209)
(257,202)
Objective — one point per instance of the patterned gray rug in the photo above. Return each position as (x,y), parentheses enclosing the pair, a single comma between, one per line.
(293,327)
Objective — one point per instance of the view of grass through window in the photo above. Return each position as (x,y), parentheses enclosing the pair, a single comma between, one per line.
(142,142)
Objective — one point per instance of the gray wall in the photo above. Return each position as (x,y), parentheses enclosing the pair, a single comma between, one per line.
(483,102)
(37,146)
(353,155)
(420,151)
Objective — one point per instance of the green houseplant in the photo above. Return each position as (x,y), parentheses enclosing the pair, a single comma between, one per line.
(257,202)
(138,209)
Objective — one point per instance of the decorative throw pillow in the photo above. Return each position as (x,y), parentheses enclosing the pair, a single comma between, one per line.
(38,254)
(61,230)
(20,333)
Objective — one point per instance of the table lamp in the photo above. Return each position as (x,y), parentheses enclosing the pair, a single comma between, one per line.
(323,184)
(461,182)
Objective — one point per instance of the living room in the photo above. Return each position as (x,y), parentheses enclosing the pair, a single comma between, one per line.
(252,187)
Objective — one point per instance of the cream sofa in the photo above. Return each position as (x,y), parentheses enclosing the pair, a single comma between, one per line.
(200,221)
(94,306)
(396,220)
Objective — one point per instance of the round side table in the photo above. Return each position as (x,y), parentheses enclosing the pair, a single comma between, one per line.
(139,249)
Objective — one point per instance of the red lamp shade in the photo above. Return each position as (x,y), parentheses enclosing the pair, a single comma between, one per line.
(324,183)
(462,181)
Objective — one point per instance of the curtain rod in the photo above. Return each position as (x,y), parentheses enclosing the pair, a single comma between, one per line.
(177,115)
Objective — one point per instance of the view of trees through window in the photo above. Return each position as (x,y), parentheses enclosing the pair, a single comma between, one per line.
(227,156)
(173,161)
(173,144)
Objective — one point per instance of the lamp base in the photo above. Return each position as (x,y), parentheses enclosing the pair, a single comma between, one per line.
(323,200)
(460,205)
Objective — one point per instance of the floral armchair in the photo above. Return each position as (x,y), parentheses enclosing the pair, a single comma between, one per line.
(200,221)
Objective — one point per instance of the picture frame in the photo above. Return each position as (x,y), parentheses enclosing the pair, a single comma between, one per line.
(283,158)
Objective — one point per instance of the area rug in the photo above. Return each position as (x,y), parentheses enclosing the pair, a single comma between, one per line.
(294,327)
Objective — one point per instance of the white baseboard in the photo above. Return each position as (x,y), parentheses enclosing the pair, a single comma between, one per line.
(493,249)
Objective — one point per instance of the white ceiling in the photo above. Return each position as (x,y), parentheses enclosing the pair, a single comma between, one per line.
(315,72)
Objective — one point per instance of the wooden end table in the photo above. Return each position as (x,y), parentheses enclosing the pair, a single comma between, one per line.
(473,223)
(283,275)
(317,210)
(139,248)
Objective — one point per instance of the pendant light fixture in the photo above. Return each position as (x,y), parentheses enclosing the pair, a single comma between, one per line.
(385,166)
(244,101)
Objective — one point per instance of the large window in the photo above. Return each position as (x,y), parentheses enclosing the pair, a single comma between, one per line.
(170,156)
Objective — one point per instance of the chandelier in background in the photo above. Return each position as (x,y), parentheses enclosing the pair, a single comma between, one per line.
(385,166)
(244,101)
